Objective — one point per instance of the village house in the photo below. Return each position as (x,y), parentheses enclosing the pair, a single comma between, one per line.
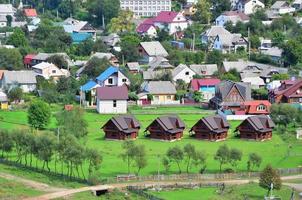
(288,92)
(228,43)
(160,63)
(212,128)
(231,16)
(230,95)
(147,28)
(88,93)
(121,128)
(297,4)
(257,107)
(210,34)
(7,9)
(43,57)
(257,128)
(79,30)
(275,53)
(189,9)
(112,99)
(255,81)
(172,22)
(112,40)
(112,76)
(162,92)
(249,6)
(166,128)
(26,80)
(183,72)
(282,7)
(149,50)
(50,71)
(3,101)
(133,67)
(205,86)
(204,70)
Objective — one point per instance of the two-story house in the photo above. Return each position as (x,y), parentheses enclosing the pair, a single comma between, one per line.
(230,95)
(249,6)
(288,92)
(183,72)
(49,71)
(112,76)
(112,99)
(151,50)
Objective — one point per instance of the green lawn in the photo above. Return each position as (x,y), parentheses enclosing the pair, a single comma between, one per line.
(251,190)
(273,151)
(13,190)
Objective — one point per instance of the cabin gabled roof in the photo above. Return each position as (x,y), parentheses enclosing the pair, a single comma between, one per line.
(125,123)
(170,124)
(216,124)
(260,123)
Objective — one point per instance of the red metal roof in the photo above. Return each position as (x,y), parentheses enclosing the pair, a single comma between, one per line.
(112,93)
(28,58)
(251,106)
(145,25)
(30,12)
(197,83)
(165,16)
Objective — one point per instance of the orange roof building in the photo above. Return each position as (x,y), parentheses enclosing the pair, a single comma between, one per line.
(30,12)
(257,107)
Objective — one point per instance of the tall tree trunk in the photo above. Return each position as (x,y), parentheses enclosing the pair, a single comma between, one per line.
(83,172)
(178,167)
(188,164)
(43,165)
(47,166)
(31,160)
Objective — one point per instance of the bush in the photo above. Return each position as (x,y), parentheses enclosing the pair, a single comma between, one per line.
(228,170)
(94,178)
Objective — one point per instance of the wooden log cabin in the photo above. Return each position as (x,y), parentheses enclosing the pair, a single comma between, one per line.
(121,128)
(166,128)
(212,128)
(258,128)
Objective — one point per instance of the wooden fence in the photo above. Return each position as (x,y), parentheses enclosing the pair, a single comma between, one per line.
(199,177)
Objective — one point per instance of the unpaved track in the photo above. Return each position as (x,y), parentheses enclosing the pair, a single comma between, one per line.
(32,184)
(123,185)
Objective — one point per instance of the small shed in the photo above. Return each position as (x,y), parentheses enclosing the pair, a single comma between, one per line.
(3,101)
(133,67)
(213,128)
(121,127)
(166,128)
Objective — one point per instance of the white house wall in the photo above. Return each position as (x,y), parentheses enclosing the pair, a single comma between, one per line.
(106,106)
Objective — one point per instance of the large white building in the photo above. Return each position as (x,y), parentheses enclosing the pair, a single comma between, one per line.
(146,8)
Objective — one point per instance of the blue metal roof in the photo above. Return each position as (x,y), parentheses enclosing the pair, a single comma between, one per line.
(108,72)
(88,86)
(80,37)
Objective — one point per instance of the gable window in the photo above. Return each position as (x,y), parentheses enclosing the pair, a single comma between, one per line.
(114,103)
(187,73)
(124,80)
(53,71)
(261,107)
(110,80)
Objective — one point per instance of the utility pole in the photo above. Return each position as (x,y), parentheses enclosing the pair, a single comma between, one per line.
(193,45)
(103,22)
(58,135)
(248,35)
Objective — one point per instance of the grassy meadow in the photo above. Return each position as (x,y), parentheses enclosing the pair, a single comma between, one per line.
(251,190)
(274,152)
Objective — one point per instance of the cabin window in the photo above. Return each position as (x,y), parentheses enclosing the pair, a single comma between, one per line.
(110,80)
(169,97)
(114,103)
(124,80)
(53,71)
(261,108)
(187,73)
